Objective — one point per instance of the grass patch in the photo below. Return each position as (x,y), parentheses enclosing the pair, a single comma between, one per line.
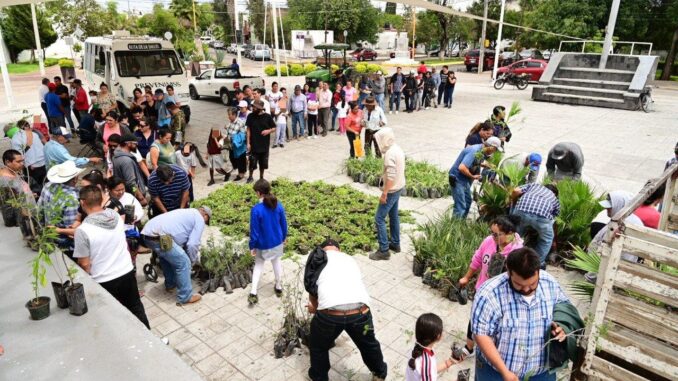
(315,211)
(22,68)
(444,61)
(672,78)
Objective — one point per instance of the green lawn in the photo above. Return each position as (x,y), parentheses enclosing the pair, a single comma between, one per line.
(22,68)
(673,77)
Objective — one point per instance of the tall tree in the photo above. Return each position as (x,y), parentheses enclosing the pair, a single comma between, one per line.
(88,15)
(358,17)
(17,28)
(223,17)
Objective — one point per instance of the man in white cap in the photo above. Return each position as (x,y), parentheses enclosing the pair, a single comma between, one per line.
(465,170)
(59,200)
(378,85)
(565,160)
(56,153)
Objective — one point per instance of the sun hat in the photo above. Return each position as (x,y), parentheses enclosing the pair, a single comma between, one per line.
(558,153)
(535,161)
(63,172)
(258,104)
(494,141)
(242,104)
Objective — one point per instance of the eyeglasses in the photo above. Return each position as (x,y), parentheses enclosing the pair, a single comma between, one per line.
(496,235)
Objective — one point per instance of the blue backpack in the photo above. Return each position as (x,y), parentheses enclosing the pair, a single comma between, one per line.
(239,144)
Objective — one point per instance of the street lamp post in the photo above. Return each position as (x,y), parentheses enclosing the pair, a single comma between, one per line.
(345,42)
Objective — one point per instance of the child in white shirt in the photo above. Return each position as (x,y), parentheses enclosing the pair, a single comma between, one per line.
(423,364)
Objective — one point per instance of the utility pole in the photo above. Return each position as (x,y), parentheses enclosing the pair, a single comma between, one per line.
(609,32)
(275,39)
(481,56)
(41,61)
(498,47)
(237,28)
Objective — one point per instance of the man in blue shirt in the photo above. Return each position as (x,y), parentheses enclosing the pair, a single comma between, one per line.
(185,228)
(466,169)
(56,153)
(168,186)
(510,317)
(55,109)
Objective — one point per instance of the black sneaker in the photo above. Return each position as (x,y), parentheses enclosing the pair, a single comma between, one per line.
(394,248)
(211,182)
(282,146)
(380,256)
(252,299)
(227,176)
(278,291)
(250,180)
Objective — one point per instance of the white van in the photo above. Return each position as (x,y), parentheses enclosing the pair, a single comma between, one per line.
(127,62)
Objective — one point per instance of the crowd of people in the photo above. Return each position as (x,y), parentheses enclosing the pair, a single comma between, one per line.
(140,202)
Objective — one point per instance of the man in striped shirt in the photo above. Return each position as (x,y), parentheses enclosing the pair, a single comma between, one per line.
(537,206)
(510,317)
(168,186)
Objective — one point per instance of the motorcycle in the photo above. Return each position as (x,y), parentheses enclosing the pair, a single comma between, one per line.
(519,81)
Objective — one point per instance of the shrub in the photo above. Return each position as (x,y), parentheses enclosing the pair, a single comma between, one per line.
(361,68)
(270,70)
(66,63)
(296,69)
(309,68)
(578,207)
(446,245)
(77,47)
(334,68)
(219,56)
(284,70)
(51,61)
(384,70)
(372,68)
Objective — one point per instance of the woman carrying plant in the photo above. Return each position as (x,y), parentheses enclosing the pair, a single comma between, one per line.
(488,260)
(268,232)
(352,124)
(162,149)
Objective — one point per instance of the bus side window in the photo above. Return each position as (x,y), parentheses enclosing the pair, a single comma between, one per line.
(99,67)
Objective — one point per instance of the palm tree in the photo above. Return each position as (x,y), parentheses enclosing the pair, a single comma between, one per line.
(183,10)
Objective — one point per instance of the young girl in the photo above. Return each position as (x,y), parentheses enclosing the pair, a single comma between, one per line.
(281,120)
(215,159)
(423,364)
(268,232)
(504,240)
(188,157)
(342,112)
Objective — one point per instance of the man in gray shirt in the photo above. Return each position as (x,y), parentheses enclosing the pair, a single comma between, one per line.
(125,167)
(297,106)
(565,161)
(378,85)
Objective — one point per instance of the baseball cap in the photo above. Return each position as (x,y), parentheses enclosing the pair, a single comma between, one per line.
(207,211)
(535,161)
(242,104)
(494,141)
(607,204)
(51,86)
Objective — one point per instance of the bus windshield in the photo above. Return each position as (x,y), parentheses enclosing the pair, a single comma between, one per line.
(132,63)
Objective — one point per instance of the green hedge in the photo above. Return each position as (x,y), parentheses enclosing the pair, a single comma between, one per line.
(66,63)
(51,61)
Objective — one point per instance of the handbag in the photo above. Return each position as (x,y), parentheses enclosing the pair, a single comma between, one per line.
(497,264)
(358,147)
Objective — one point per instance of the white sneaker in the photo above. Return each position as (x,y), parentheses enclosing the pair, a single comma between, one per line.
(308,137)
(390,112)
(396,112)
(315,136)
(428,108)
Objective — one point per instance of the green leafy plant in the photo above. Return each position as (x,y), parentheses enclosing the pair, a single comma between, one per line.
(315,211)
(360,68)
(587,262)
(270,70)
(296,69)
(513,112)
(77,48)
(219,56)
(494,198)
(196,57)
(578,207)
(309,67)
(373,68)
(66,63)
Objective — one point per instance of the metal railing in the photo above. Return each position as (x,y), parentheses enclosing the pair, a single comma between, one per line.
(614,44)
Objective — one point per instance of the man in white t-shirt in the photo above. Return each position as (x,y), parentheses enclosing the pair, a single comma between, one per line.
(101,250)
(274,96)
(259,95)
(339,300)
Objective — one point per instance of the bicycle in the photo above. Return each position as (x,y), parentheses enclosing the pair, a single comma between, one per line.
(645,101)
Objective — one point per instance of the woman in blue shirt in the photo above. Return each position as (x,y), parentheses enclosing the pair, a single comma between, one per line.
(268,232)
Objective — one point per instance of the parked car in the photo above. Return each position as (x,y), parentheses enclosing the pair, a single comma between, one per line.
(547,53)
(362,54)
(218,45)
(531,53)
(221,82)
(245,49)
(435,52)
(392,54)
(260,52)
(535,68)
(454,52)
(473,56)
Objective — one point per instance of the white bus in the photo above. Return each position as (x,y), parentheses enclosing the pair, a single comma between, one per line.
(127,62)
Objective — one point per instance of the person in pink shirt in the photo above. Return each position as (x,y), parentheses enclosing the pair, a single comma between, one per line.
(349,91)
(504,239)
(648,212)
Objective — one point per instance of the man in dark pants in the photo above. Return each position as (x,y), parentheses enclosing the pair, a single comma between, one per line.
(65,95)
(101,250)
(444,73)
(410,92)
(260,126)
(339,300)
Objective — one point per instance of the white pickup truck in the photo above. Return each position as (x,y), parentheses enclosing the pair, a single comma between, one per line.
(222,83)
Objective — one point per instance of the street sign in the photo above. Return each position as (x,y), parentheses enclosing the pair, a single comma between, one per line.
(78,32)
(69,41)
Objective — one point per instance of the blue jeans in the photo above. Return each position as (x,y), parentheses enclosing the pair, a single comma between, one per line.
(380,100)
(485,372)
(544,228)
(298,117)
(390,209)
(334,118)
(176,267)
(395,98)
(461,194)
(448,95)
